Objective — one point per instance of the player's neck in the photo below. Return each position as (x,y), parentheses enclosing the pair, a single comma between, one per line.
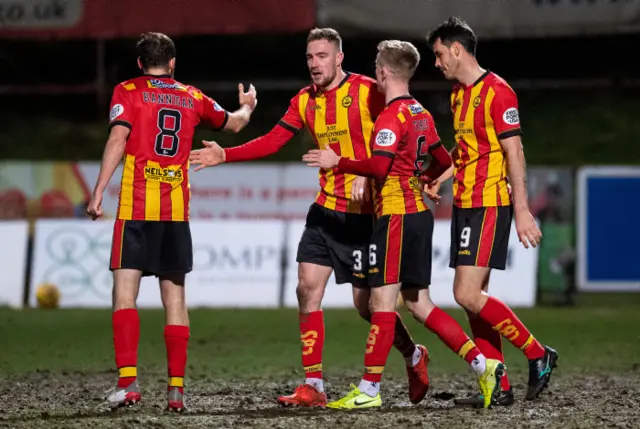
(336,81)
(470,74)
(156,71)
(394,90)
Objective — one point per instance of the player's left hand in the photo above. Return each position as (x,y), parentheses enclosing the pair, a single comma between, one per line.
(431,189)
(94,208)
(528,231)
(360,190)
(323,158)
(210,156)
(249,98)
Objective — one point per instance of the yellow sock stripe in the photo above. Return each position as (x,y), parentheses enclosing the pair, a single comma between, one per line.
(128,371)
(466,348)
(313,368)
(374,369)
(176,381)
(527,343)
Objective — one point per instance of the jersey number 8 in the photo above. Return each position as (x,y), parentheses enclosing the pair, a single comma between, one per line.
(167,140)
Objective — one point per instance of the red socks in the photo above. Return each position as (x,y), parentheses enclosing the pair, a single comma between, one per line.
(126,336)
(489,342)
(176,339)
(378,345)
(402,339)
(504,321)
(451,333)
(312,338)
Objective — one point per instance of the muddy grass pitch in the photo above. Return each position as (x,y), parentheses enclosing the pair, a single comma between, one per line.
(55,367)
(76,401)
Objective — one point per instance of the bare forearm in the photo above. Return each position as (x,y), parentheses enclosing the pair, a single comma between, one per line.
(239,119)
(113,153)
(517,172)
(448,174)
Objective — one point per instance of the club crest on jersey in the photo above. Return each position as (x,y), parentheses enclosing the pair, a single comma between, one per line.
(347,101)
(157,83)
(511,117)
(477,101)
(116,111)
(416,108)
(385,137)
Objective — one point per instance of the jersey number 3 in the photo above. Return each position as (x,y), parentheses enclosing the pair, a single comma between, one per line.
(167,140)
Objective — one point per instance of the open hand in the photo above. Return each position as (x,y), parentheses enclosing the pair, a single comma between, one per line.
(249,98)
(210,156)
(323,158)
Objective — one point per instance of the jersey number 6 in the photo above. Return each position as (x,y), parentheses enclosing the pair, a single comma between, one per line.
(167,140)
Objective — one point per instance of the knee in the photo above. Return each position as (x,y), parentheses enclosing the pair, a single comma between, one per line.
(466,298)
(419,309)
(309,294)
(363,309)
(123,300)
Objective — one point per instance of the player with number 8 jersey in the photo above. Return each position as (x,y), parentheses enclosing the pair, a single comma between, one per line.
(152,123)
(155,185)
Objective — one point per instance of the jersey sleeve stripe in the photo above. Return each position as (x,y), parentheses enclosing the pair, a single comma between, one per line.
(224,121)
(510,133)
(123,123)
(288,127)
(385,153)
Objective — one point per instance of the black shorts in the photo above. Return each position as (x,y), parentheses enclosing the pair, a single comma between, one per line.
(337,240)
(401,250)
(480,236)
(154,247)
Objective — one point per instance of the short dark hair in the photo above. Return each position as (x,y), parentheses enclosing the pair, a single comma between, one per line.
(328,34)
(155,50)
(454,30)
(400,56)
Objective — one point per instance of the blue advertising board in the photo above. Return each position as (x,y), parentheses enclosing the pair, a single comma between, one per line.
(608,229)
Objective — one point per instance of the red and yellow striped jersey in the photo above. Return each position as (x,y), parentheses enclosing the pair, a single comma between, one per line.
(341,119)
(162,115)
(483,113)
(404,132)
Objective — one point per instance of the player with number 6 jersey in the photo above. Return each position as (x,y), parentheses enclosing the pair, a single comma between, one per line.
(401,246)
(152,122)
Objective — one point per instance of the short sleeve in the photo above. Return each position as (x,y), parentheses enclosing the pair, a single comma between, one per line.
(387,134)
(292,120)
(504,112)
(122,110)
(213,114)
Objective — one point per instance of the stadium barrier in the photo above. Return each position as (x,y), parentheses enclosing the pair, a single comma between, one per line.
(236,264)
(13,262)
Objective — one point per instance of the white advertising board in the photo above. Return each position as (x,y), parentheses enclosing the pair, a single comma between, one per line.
(236,264)
(13,261)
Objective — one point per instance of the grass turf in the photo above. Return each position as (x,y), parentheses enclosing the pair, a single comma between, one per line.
(599,334)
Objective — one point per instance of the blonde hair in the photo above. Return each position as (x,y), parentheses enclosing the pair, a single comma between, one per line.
(401,57)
